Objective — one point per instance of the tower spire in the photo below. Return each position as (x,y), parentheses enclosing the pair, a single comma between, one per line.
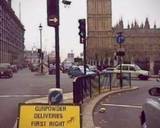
(147,25)
(155,26)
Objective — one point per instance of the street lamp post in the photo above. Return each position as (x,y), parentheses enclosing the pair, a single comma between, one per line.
(41,53)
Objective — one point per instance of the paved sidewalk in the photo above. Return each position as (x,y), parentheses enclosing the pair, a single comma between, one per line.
(87,107)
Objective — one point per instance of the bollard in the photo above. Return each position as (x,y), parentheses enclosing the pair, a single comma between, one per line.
(77,91)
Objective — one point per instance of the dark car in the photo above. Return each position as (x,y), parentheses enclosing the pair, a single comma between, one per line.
(72,69)
(52,69)
(78,71)
(5,70)
(75,72)
(150,115)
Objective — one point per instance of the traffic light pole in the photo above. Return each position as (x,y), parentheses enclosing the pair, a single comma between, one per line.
(121,79)
(53,21)
(84,52)
(82,34)
(57,56)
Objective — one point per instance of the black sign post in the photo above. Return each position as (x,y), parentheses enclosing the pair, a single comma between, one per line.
(120,39)
(53,21)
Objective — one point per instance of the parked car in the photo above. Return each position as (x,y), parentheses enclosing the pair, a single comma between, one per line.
(52,69)
(5,70)
(135,70)
(78,71)
(72,69)
(14,68)
(66,65)
(150,114)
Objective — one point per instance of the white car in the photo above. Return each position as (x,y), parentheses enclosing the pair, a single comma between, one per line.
(151,110)
(135,70)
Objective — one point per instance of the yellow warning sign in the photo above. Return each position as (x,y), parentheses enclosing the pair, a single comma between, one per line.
(49,116)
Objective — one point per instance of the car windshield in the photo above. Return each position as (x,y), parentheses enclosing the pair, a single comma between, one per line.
(137,67)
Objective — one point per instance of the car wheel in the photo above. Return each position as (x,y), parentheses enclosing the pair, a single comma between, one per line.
(143,119)
(147,77)
(142,77)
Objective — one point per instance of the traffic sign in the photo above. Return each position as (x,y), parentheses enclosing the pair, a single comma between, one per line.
(53,13)
(55,96)
(53,20)
(120,38)
(49,116)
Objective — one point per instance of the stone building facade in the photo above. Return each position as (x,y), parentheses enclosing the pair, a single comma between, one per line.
(99,25)
(11,35)
(141,46)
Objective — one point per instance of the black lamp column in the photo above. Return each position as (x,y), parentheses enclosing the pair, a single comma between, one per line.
(41,53)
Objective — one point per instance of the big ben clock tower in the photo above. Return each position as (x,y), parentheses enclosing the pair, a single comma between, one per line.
(99,26)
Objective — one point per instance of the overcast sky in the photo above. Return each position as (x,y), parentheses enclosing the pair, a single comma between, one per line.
(33,12)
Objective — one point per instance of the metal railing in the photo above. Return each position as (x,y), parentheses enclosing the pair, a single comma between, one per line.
(88,86)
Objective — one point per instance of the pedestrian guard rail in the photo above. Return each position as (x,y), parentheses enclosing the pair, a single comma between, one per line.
(87,86)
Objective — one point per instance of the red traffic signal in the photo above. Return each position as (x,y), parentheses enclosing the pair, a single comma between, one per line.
(39,50)
(53,13)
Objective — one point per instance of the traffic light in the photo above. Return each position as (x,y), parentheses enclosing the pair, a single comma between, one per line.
(39,53)
(53,12)
(82,30)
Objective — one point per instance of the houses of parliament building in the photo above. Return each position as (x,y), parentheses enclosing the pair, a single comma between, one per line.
(141,46)
(11,35)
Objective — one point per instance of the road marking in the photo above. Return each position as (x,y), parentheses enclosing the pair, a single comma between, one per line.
(124,106)
(16,96)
